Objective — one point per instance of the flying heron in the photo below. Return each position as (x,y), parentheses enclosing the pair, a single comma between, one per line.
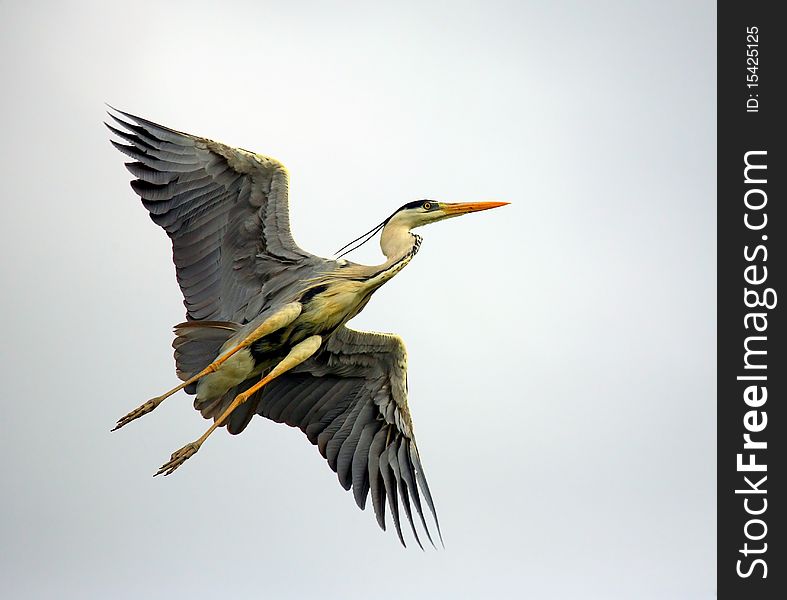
(266,329)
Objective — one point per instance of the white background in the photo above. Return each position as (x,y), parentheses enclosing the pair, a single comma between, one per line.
(562,371)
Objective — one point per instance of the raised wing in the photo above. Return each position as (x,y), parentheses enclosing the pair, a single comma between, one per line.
(351,401)
(226,212)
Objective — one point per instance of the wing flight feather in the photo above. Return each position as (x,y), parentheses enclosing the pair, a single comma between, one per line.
(225,210)
(351,401)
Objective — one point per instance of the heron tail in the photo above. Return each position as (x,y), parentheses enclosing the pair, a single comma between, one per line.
(197,344)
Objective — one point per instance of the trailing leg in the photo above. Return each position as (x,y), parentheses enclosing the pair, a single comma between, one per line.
(281,318)
(299,353)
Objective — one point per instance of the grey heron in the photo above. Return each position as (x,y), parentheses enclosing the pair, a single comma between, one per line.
(265,331)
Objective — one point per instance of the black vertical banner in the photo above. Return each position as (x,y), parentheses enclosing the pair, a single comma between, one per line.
(752,270)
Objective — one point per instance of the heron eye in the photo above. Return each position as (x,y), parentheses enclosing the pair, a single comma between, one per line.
(427,205)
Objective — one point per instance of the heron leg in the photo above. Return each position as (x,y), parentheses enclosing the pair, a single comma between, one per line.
(281,318)
(299,353)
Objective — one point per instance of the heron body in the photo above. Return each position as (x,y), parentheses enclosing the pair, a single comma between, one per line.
(331,301)
(266,331)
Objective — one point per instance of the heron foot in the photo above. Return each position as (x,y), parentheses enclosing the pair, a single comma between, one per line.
(178,458)
(138,412)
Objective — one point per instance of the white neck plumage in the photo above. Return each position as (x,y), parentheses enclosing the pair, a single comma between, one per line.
(397,241)
(399,245)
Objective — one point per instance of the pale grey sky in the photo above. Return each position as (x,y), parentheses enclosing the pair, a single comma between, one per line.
(562,370)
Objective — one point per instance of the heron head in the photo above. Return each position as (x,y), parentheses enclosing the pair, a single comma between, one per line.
(422,212)
(417,214)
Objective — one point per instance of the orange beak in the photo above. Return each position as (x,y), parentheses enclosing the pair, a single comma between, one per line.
(463,208)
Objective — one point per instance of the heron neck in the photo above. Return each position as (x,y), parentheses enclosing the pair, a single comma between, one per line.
(399,245)
(397,241)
